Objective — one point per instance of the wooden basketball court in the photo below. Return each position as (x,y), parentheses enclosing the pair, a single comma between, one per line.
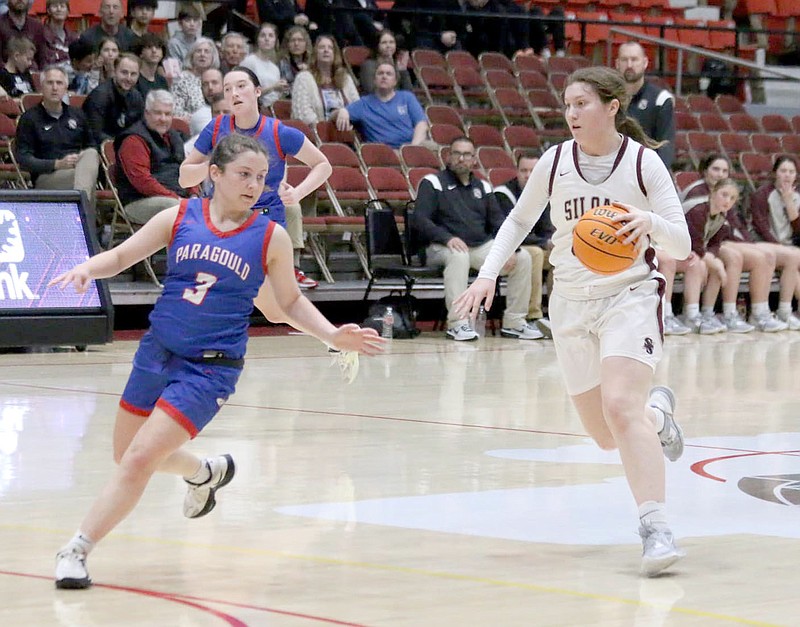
(450,485)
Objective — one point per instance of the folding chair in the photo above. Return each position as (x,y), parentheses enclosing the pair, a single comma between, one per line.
(729,104)
(415,176)
(438,85)
(684,179)
(521,63)
(379,155)
(340,155)
(513,105)
(485,135)
(389,185)
(422,57)
(419,157)
(765,143)
(700,103)
(714,123)
(499,176)
(521,138)
(444,114)
(29,101)
(328,133)
(461,58)
(386,256)
(744,123)
(774,123)
(354,56)
(444,134)
(756,167)
(120,220)
(282,109)
(498,61)
(490,157)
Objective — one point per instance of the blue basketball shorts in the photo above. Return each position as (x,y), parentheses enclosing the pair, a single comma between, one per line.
(190,392)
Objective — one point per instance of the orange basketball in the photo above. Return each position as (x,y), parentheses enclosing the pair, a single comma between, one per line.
(596,245)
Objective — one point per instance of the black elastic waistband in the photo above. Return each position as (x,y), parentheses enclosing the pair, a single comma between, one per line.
(217,358)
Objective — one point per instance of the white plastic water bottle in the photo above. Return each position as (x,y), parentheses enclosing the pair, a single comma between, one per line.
(388,323)
(480,322)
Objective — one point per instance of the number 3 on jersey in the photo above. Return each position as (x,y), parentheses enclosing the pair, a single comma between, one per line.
(197,294)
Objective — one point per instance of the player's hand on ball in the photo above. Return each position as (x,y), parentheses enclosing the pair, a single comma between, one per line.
(636,224)
(468,304)
(351,337)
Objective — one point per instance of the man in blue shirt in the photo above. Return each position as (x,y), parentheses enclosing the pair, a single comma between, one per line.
(388,116)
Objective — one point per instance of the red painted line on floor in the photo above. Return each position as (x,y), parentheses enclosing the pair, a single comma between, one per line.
(227,618)
(699,468)
(191,602)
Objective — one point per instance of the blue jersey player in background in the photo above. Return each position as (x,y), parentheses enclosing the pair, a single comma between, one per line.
(220,252)
(279,201)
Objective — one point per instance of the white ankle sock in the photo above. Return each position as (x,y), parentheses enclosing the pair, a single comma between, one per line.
(785,308)
(81,542)
(728,309)
(653,514)
(692,311)
(202,475)
(760,309)
(660,418)
(668,309)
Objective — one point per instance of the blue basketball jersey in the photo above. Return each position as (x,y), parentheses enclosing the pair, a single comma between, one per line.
(211,281)
(279,140)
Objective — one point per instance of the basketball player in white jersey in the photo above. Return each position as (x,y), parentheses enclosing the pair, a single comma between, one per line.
(607,329)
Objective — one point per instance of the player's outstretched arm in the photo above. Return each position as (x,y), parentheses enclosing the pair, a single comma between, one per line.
(151,238)
(300,312)
(480,292)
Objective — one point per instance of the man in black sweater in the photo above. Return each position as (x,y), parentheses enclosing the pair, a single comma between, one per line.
(457,216)
(115,104)
(54,143)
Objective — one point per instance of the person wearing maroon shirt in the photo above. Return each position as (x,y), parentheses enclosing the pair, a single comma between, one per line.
(149,156)
(17,23)
(57,36)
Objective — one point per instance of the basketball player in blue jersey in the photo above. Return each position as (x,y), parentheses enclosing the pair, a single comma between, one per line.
(242,89)
(187,365)
(607,330)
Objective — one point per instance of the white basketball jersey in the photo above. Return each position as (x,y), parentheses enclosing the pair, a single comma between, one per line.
(571,195)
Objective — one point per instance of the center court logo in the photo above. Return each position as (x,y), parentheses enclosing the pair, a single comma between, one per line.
(13,284)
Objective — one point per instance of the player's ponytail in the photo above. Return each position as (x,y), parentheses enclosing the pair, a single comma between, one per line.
(233,145)
(609,85)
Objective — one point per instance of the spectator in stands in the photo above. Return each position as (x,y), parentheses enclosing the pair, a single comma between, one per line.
(57,37)
(189,24)
(387,116)
(54,143)
(775,207)
(283,13)
(480,33)
(541,29)
(457,215)
(17,23)
(111,25)
(264,62)
(709,229)
(151,49)
(211,85)
(386,51)
(187,88)
(140,13)
(105,59)
(431,30)
(740,250)
(775,212)
(149,157)
(115,104)
(537,244)
(233,50)
(695,276)
(295,53)
(651,106)
(15,75)
(81,58)
(325,87)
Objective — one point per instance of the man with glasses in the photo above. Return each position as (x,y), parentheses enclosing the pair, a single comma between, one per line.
(457,216)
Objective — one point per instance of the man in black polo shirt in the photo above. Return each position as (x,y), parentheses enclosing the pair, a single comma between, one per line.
(54,143)
(457,215)
(115,104)
(651,106)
